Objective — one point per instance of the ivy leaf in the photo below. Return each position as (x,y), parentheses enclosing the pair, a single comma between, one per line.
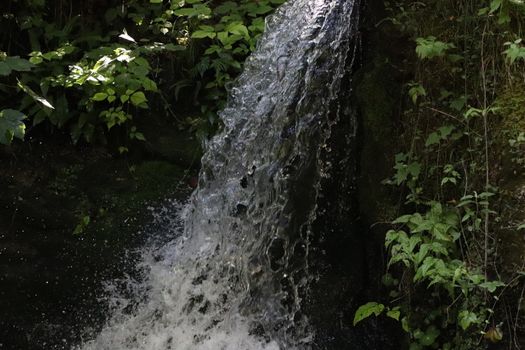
(466,318)
(405,324)
(11,125)
(394,313)
(366,310)
(494,334)
(432,139)
(446,131)
(514,51)
(430,336)
(414,169)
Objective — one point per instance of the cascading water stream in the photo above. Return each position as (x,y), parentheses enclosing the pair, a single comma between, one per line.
(237,275)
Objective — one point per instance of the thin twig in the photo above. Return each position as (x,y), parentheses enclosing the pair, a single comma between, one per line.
(452,117)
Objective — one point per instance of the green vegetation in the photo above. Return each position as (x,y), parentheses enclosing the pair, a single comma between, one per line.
(97,72)
(463,90)
(64,68)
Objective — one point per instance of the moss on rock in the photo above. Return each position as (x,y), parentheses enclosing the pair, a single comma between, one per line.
(378,88)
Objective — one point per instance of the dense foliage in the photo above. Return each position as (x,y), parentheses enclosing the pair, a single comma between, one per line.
(95,68)
(445,277)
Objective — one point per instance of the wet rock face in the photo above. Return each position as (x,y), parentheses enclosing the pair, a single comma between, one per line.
(511,246)
(51,279)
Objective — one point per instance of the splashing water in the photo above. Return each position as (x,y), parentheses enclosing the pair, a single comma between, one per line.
(236,276)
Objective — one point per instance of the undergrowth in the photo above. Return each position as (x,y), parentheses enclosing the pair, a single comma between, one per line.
(464,108)
(93,68)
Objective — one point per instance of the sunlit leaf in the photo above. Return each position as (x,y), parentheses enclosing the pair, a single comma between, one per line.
(366,310)
(126,36)
(138,98)
(35,96)
(99,96)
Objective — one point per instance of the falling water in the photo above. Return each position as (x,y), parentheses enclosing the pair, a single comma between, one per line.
(237,274)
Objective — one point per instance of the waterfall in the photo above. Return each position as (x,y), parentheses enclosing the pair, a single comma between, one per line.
(237,274)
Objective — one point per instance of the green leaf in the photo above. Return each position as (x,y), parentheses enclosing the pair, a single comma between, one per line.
(429,337)
(11,125)
(99,96)
(4,69)
(149,85)
(199,34)
(188,12)
(155,1)
(140,136)
(394,313)
(492,285)
(429,47)
(226,7)
(405,324)
(414,169)
(207,28)
(495,5)
(262,10)
(80,228)
(366,310)
(514,51)
(18,64)
(36,59)
(466,318)
(416,91)
(432,139)
(238,28)
(446,130)
(34,95)
(138,98)
(198,10)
